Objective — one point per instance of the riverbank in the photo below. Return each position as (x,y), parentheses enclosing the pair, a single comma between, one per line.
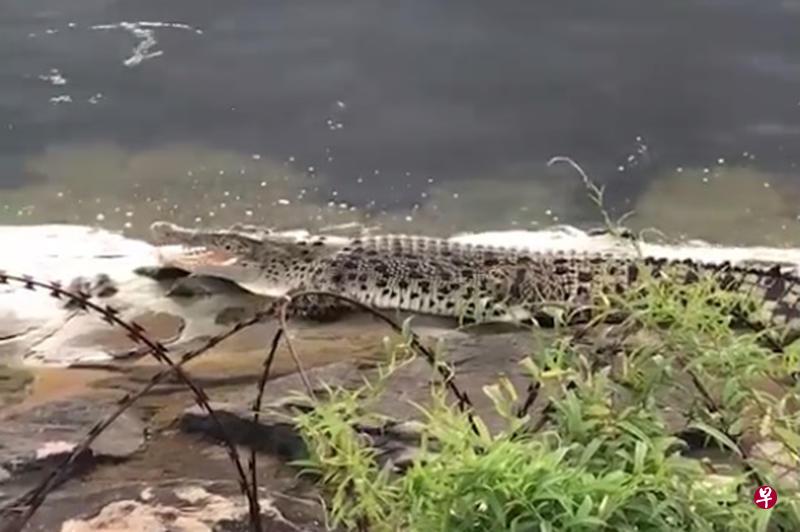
(65,370)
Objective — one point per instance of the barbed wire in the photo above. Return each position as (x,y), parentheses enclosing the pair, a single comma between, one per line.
(22,508)
(27,504)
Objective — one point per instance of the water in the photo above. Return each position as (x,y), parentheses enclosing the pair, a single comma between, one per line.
(420,116)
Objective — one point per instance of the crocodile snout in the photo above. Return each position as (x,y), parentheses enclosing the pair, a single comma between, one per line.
(164,232)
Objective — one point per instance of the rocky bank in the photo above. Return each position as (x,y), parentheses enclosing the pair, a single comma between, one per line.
(160,466)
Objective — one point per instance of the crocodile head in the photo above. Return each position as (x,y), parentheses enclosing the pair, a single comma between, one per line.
(258,259)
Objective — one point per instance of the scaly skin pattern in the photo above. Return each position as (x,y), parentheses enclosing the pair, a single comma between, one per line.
(439,277)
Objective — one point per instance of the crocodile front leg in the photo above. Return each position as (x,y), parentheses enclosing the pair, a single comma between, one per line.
(319,308)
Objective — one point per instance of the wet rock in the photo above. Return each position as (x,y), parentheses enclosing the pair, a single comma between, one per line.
(203,285)
(13,384)
(160,273)
(13,332)
(192,508)
(478,360)
(160,326)
(273,435)
(32,438)
(86,339)
(174,507)
(233,315)
(196,308)
(12,327)
(178,479)
(101,286)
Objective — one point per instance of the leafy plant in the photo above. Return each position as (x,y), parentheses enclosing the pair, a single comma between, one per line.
(604,457)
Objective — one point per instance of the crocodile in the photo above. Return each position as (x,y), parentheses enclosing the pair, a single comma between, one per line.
(440,277)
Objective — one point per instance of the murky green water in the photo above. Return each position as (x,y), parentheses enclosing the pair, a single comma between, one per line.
(435,116)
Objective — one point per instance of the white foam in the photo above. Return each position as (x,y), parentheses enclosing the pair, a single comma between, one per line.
(567,238)
(61,253)
(144,32)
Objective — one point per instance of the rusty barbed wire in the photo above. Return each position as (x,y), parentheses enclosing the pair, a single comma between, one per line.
(33,499)
(80,300)
(446,373)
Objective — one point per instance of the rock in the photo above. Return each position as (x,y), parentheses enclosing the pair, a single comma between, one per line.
(273,435)
(14,383)
(178,484)
(86,339)
(43,434)
(38,329)
(159,273)
(174,507)
(101,286)
(782,464)
(232,315)
(11,326)
(203,285)
(194,509)
(479,361)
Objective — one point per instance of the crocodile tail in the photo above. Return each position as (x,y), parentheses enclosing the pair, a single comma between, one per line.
(778,293)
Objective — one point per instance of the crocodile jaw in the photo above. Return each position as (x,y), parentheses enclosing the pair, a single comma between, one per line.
(199,260)
(193,257)
(206,261)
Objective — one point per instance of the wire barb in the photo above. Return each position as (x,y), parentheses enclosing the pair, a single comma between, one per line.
(28,503)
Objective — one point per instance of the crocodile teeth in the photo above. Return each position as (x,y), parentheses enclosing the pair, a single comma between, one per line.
(197,256)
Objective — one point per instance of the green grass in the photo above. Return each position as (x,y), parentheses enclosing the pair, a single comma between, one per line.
(603,457)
